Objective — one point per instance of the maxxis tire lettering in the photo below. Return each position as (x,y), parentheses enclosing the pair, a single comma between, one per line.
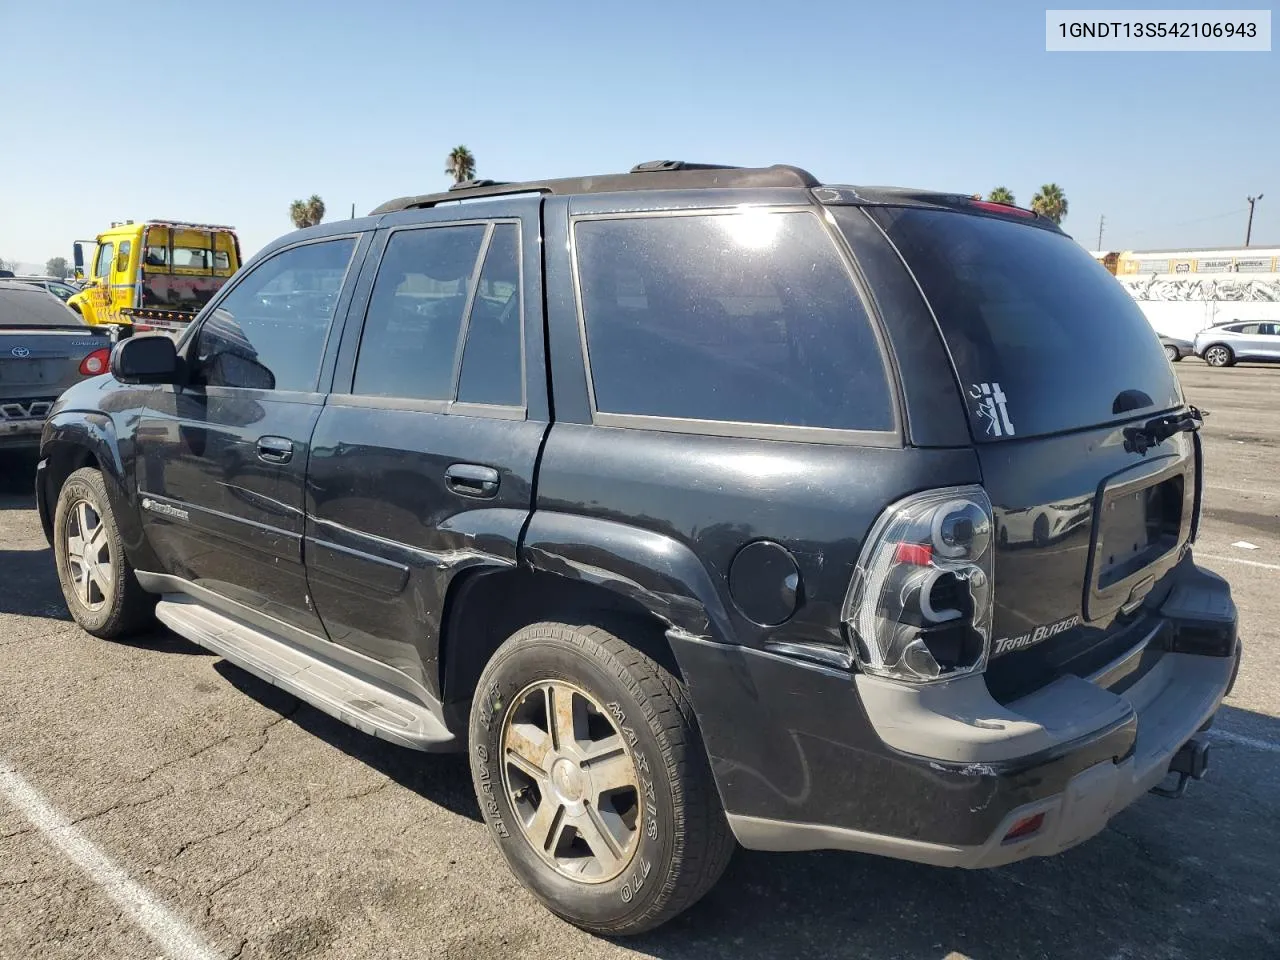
(488,799)
(645,775)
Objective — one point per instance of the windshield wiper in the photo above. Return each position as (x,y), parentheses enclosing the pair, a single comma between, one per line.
(1158,430)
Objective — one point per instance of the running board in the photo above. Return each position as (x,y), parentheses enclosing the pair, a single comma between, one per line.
(363,705)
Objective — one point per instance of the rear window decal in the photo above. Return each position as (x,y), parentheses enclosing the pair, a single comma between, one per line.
(992,408)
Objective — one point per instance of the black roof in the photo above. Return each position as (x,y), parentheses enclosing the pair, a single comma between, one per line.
(654,175)
(680,175)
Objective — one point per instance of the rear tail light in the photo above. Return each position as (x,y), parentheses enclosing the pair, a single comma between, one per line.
(96,362)
(919,607)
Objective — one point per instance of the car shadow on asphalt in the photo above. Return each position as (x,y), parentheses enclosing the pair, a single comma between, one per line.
(17,481)
(1193,877)
(1146,886)
(30,585)
(30,589)
(442,778)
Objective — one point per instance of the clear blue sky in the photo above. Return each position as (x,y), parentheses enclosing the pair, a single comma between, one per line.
(226,112)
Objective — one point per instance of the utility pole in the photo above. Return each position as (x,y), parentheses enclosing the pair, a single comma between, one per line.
(1101,220)
(1248,231)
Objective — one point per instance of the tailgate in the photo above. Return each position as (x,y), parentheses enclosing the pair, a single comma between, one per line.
(1059,370)
(1086,533)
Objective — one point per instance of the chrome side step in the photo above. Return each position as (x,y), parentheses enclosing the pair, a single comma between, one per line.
(363,705)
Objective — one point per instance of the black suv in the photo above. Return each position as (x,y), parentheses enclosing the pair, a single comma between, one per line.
(698,504)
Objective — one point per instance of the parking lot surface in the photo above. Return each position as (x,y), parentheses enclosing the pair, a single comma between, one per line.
(156,801)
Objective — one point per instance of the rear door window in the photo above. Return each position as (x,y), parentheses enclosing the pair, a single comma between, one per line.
(492,368)
(1042,337)
(416,312)
(747,317)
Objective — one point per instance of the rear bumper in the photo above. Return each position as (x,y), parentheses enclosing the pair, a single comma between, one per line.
(808,758)
(1172,701)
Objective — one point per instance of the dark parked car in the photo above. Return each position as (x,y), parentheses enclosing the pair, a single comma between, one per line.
(1175,349)
(44,348)
(678,499)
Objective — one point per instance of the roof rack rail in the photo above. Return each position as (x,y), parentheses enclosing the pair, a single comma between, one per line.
(650,166)
(653,175)
(477,182)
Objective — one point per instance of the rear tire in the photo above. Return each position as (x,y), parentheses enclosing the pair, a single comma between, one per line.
(1172,354)
(553,697)
(1219,355)
(98,582)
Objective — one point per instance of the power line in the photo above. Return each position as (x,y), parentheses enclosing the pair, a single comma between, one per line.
(1187,223)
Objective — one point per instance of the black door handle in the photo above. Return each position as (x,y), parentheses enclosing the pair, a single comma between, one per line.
(472,480)
(275,449)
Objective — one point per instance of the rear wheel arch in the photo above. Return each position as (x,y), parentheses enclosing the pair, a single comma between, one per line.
(486,607)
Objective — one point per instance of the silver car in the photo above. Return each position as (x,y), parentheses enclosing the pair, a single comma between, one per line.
(61,289)
(1223,345)
(44,348)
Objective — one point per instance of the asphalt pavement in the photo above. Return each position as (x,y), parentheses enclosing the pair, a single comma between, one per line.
(156,801)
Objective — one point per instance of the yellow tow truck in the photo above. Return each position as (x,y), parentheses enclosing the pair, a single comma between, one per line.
(154,274)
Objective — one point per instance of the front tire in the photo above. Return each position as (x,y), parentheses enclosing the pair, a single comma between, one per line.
(592,779)
(1172,354)
(1219,356)
(98,582)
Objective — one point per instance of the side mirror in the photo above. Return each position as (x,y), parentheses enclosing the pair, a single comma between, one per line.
(147,358)
(77,257)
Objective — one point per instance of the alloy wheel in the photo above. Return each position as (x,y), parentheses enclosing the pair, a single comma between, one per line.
(89,560)
(572,781)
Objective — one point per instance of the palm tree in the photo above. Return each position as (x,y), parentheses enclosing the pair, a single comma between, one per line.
(307,213)
(460,164)
(1002,195)
(1050,202)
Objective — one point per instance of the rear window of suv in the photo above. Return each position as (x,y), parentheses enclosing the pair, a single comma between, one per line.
(1043,338)
(747,317)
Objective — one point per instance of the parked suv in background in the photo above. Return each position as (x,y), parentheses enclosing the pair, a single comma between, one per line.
(678,499)
(1224,345)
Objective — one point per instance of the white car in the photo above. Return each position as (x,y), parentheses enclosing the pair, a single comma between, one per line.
(1223,345)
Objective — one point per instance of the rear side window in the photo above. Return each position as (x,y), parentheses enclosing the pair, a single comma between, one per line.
(1043,338)
(746,317)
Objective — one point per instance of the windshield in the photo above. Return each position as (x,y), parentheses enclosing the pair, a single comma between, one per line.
(1043,338)
(23,305)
